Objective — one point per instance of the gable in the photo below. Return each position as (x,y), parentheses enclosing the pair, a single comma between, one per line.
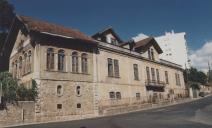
(109,36)
(145,44)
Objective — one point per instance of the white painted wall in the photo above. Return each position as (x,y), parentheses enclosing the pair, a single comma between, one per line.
(174,48)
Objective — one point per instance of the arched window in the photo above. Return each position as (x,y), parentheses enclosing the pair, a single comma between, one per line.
(25,63)
(118,95)
(59,90)
(50,59)
(20,66)
(29,61)
(75,62)
(112,95)
(16,68)
(61,59)
(78,90)
(13,69)
(84,63)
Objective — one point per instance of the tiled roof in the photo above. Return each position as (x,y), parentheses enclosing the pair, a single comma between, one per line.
(143,44)
(42,26)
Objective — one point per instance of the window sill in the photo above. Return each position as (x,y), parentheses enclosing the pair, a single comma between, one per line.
(67,72)
(56,71)
(114,77)
(79,73)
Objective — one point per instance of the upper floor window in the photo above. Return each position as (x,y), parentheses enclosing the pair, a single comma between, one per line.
(110,67)
(20,66)
(149,54)
(166,77)
(113,67)
(29,61)
(135,67)
(177,77)
(152,54)
(84,63)
(50,59)
(61,60)
(16,68)
(25,63)
(75,62)
(153,74)
(113,41)
(158,75)
(116,68)
(148,74)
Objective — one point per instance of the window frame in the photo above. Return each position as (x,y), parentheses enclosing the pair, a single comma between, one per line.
(136,72)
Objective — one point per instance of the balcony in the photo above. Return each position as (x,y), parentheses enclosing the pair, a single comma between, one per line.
(156,86)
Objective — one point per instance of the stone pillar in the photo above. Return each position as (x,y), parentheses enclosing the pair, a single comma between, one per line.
(79,64)
(56,61)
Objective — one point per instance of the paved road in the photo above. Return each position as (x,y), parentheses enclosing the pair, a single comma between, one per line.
(196,114)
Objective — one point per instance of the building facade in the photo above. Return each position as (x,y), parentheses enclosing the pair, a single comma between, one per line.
(78,75)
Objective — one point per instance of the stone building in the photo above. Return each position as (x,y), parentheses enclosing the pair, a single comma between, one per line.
(78,75)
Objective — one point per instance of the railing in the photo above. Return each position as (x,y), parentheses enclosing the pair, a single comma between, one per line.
(154,83)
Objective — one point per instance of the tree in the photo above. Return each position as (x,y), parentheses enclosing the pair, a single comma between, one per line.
(194,77)
(12,91)
(6,15)
(9,89)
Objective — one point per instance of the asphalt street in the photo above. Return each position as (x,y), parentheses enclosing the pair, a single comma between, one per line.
(195,114)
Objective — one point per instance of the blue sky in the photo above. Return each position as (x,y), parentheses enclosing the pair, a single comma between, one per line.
(127,17)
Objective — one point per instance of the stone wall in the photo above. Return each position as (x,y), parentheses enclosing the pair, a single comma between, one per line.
(23,112)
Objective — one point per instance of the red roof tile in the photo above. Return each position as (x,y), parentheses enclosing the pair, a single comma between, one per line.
(42,26)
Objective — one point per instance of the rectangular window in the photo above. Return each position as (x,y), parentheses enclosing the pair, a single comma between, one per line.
(59,106)
(176,78)
(112,95)
(138,96)
(110,67)
(179,79)
(113,41)
(148,74)
(78,105)
(135,67)
(158,75)
(116,68)
(167,77)
(153,74)
(118,95)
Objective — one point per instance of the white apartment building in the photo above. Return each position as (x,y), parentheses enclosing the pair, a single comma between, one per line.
(174,47)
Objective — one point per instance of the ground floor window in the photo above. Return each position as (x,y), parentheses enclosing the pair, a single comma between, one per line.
(78,105)
(138,96)
(59,106)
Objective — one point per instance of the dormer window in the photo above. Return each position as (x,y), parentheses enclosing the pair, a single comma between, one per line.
(113,41)
(151,55)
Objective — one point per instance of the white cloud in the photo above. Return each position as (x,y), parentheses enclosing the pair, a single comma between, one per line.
(200,57)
